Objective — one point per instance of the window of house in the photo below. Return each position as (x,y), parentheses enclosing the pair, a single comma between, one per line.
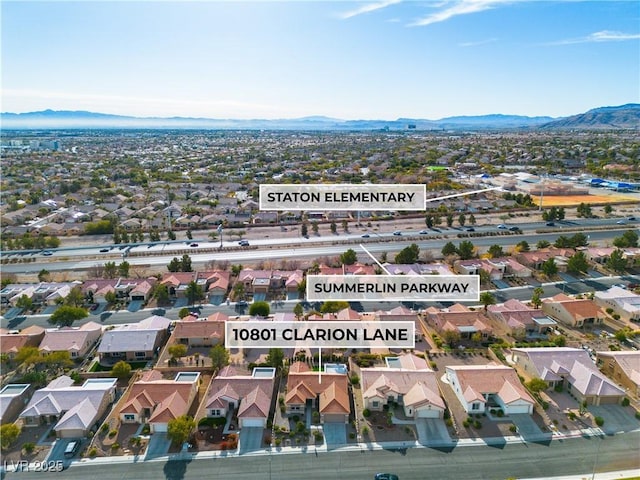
(216,412)
(129,417)
(141,354)
(74,354)
(475,406)
(375,404)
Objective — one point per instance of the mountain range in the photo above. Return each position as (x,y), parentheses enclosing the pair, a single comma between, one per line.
(619,117)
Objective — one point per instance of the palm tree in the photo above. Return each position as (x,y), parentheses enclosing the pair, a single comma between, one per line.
(487,298)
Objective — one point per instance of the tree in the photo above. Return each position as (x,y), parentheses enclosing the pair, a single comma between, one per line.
(189,234)
(523,246)
(259,309)
(123,269)
(121,370)
(536,299)
(608,209)
(449,220)
(333,306)
(219,357)
(314,228)
(466,250)
(25,302)
(185,264)
(486,299)
(174,265)
(495,251)
(536,385)
(617,262)
(178,350)
(179,429)
(75,297)
(298,311)
(8,435)
(65,316)
(628,239)
(27,355)
(43,275)
(111,297)
(428,220)
(333,227)
(183,312)
(304,230)
(109,270)
(408,255)
(235,270)
(578,263)
(161,294)
(449,249)
(542,244)
(194,292)
(275,358)
(485,277)
(349,257)
(451,337)
(345,226)
(462,219)
(472,219)
(549,267)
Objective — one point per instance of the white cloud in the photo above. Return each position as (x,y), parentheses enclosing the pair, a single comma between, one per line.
(369,7)
(478,43)
(601,36)
(458,7)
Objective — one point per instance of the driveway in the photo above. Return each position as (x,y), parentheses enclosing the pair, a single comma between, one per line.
(57,450)
(158,446)
(250,439)
(527,428)
(432,431)
(616,418)
(335,434)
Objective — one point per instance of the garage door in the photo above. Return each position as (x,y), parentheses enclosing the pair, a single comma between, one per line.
(428,413)
(515,409)
(334,418)
(159,427)
(252,422)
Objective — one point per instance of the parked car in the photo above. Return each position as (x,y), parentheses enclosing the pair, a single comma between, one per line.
(71,449)
(243,243)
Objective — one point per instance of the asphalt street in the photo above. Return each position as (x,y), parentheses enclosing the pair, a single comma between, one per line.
(559,457)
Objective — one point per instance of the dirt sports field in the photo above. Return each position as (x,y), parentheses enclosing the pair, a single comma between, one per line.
(574,200)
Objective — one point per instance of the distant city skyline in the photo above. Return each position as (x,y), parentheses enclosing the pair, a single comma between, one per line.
(382,59)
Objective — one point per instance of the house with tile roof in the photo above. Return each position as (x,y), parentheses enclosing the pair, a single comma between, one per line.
(573,312)
(248,395)
(11,343)
(198,333)
(328,392)
(134,342)
(78,341)
(460,319)
(405,380)
(623,367)
(13,398)
(534,259)
(481,388)
(573,369)
(75,410)
(622,301)
(156,400)
(522,320)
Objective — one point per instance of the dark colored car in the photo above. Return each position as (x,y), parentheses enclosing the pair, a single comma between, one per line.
(551,224)
(104,250)
(471,229)
(514,229)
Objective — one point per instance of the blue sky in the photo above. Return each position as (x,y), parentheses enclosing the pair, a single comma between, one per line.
(382,59)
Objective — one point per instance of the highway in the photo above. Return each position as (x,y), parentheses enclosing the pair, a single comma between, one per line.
(154,254)
(499,461)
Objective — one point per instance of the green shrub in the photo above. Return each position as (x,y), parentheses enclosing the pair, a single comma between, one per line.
(625,402)
(115,446)
(558,388)
(93,452)
(29,447)
(572,415)
(638,415)
(545,405)
(278,442)
(599,421)
(366,413)
(477,424)
(466,423)
(513,428)
(104,428)
(113,433)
